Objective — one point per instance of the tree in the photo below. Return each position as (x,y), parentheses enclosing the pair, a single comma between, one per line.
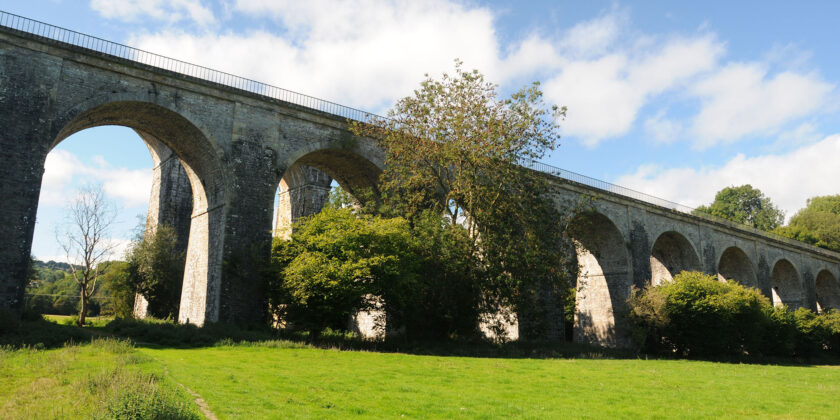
(118,289)
(334,263)
(86,242)
(745,205)
(156,270)
(455,149)
(817,224)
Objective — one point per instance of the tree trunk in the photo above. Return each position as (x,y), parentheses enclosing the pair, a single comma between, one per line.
(83,310)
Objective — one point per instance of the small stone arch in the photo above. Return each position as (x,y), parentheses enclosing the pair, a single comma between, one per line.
(198,157)
(603,282)
(786,285)
(828,291)
(735,265)
(671,254)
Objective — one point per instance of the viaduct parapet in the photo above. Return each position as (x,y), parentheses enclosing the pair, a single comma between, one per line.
(221,151)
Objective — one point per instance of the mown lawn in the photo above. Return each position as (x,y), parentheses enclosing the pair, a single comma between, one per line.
(261,381)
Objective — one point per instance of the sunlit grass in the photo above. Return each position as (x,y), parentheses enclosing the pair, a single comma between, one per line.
(280,381)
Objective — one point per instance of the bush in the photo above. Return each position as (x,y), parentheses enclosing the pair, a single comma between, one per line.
(698,316)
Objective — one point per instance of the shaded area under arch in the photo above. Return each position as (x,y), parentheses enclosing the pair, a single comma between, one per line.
(786,285)
(671,254)
(828,291)
(603,282)
(735,265)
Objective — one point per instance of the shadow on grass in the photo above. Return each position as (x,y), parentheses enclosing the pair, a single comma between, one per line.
(40,333)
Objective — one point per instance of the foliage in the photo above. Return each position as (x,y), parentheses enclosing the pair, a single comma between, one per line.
(335,264)
(454,149)
(746,205)
(52,290)
(339,198)
(156,270)
(85,240)
(118,288)
(698,316)
(817,224)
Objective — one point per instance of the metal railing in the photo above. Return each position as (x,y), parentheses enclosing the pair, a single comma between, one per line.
(100,45)
(67,36)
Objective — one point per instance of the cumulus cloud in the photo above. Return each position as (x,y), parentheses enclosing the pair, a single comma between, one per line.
(662,129)
(170,11)
(788,179)
(742,99)
(364,54)
(604,95)
(63,170)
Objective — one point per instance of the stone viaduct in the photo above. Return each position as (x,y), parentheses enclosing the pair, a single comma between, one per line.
(222,145)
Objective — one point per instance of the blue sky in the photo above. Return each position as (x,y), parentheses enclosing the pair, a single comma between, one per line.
(676,99)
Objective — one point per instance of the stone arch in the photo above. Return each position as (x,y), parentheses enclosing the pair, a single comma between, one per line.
(202,165)
(671,253)
(786,285)
(603,282)
(828,291)
(735,265)
(305,184)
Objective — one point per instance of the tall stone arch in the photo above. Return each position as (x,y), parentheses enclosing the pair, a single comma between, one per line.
(202,167)
(786,285)
(603,283)
(671,253)
(735,265)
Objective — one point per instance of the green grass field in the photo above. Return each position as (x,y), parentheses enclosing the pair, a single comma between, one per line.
(284,379)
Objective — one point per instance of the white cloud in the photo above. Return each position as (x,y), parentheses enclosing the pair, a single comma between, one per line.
(788,179)
(63,171)
(364,54)
(661,129)
(742,99)
(170,11)
(605,95)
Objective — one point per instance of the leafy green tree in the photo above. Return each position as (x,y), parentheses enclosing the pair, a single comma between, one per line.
(746,205)
(817,224)
(334,263)
(156,271)
(118,290)
(455,149)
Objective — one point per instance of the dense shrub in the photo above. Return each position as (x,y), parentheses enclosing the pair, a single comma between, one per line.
(698,316)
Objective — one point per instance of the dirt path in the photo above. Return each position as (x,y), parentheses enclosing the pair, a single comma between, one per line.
(202,405)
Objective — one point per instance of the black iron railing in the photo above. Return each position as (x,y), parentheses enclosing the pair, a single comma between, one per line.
(55,33)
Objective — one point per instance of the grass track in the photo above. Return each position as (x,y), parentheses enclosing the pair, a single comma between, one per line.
(260,382)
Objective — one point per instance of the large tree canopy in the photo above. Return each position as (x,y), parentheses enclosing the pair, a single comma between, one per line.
(817,224)
(746,205)
(455,149)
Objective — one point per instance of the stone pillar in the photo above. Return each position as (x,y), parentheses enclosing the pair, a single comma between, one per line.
(303,191)
(26,96)
(170,202)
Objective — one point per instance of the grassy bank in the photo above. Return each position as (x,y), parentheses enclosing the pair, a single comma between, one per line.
(103,379)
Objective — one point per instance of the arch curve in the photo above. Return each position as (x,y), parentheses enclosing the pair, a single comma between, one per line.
(671,253)
(828,291)
(203,166)
(786,285)
(734,264)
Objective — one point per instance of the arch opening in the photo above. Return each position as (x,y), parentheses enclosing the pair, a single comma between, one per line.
(736,265)
(671,254)
(828,291)
(171,137)
(603,281)
(786,285)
